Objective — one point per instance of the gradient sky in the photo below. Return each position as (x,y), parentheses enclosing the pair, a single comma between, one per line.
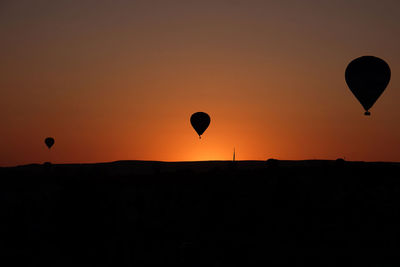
(113,80)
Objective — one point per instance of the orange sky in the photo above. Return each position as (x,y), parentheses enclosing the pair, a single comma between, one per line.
(113,80)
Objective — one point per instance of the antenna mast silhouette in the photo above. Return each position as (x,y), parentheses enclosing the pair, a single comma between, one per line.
(234,154)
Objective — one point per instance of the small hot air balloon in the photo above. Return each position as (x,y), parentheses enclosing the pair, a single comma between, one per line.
(200,122)
(49,141)
(367,78)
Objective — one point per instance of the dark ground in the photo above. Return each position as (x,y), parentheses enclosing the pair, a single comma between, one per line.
(275,213)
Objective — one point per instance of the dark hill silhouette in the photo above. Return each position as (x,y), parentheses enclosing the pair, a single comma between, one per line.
(217,213)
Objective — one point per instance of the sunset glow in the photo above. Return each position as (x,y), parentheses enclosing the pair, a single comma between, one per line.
(119,81)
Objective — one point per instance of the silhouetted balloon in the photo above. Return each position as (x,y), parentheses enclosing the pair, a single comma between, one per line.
(200,122)
(367,78)
(49,141)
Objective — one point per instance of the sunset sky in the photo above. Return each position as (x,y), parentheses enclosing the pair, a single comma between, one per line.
(118,80)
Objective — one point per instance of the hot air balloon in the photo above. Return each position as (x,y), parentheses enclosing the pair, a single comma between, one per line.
(49,141)
(200,122)
(367,78)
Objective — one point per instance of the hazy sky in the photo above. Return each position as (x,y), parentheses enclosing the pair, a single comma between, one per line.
(112,80)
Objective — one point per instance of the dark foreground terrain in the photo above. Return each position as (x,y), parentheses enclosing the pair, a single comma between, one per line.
(274,213)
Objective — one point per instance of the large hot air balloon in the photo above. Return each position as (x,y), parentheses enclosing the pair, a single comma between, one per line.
(367,78)
(200,122)
(49,141)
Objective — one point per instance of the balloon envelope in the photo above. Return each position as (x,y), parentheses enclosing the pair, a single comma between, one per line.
(200,122)
(367,78)
(49,141)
